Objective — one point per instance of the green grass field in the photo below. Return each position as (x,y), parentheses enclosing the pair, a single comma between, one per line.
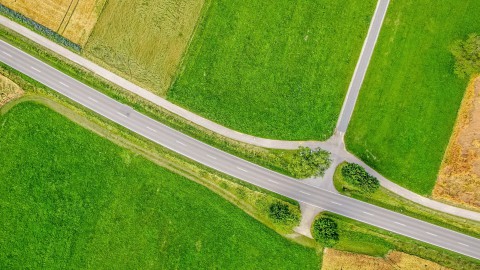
(72,199)
(276,69)
(408,103)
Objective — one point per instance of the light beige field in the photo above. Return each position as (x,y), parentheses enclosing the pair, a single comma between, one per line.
(341,260)
(73,19)
(459,177)
(8,90)
(144,41)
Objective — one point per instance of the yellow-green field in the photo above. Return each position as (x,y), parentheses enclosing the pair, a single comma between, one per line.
(73,19)
(144,42)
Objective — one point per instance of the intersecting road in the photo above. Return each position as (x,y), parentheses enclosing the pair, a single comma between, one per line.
(231,165)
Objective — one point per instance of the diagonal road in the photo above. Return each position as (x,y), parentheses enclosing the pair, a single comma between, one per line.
(232,165)
(362,66)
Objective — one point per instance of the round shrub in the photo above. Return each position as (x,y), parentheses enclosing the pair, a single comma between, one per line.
(280,212)
(356,175)
(325,231)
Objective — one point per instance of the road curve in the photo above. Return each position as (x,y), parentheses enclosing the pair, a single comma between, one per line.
(232,165)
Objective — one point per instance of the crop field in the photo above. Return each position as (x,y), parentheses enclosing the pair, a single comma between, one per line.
(144,42)
(73,19)
(71,199)
(8,90)
(336,259)
(459,176)
(277,69)
(410,97)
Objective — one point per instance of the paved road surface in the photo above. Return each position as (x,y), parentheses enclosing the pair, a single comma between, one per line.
(362,65)
(232,165)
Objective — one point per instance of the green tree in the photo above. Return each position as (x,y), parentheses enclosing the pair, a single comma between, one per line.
(467,56)
(325,231)
(282,213)
(356,175)
(307,162)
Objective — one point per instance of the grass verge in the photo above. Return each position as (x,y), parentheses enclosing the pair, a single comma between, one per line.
(71,199)
(275,69)
(359,237)
(409,100)
(389,200)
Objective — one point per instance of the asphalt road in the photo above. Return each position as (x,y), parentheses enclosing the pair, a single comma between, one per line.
(231,165)
(362,66)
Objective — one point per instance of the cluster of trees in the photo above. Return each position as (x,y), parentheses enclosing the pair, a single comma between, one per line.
(308,163)
(467,56)
(281,212)
(325,231)
(356,176)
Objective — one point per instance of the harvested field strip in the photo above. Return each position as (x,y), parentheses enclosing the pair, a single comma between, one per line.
(459,177)
(336,259)
(68,15)
(8,90)
(72,19)
(146,51)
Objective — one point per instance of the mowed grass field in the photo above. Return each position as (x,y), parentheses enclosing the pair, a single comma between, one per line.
(277,69)
(73,19)
(408,104)
(144,41)
(71,199)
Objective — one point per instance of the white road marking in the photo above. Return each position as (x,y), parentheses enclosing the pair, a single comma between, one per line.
(92,99)
(336,203)
(401,224)
(151,129)
(179,142)
(432,234)
(370,214)
(463,244)
(121,114)
(66,85)
(241,169)
(7,54)
(212,157)
(36,69)
(270,180)
(304,192)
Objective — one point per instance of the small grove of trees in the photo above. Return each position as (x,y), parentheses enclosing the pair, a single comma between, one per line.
(356,176)
(308,163)
(325,231)
(467,56)
(281,212)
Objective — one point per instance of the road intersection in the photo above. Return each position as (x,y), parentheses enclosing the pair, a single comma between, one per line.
(232,165)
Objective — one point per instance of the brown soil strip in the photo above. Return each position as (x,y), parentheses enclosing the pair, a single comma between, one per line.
(459,177)
(8,90)
(336,259)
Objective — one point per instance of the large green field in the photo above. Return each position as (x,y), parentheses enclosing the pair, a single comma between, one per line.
(71,199)
(408,103)
(277,69)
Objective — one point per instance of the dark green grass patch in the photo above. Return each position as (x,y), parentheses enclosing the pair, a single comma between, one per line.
(276,69)
(409,101)
(71,199)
